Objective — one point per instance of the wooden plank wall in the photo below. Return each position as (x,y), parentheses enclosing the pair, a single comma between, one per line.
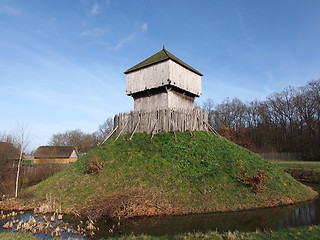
(163,74)
(154,76)
(185,79)
(166,120)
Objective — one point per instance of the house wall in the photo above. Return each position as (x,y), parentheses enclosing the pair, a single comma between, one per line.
(147,78)
(184,78)
(162,74)
(162,98)
(152,102)
(178,100)
(54,160)
(72,159)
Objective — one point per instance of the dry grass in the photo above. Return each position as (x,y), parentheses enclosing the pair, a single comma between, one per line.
(130,203)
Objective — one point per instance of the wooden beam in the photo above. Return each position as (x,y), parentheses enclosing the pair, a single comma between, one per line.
(175,136)
(191,134)
(212,129)
(109,135)
(134,130)
(153,131)
(122,130)
(205,128)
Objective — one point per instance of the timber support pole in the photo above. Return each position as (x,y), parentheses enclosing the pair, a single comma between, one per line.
(191,135)
(175,136)
(134,130)
(205,128)
(153,131)
(121,130)
(212,129)
(109,135)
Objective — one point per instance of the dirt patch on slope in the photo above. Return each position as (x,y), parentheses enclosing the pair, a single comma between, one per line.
(130,203)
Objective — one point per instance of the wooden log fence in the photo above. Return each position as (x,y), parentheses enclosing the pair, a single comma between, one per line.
(165,120)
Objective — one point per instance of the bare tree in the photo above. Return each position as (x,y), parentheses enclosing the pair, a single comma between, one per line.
(4,137)
(104,129)
(287,121)
(21,140)
(82,141)
(208,106)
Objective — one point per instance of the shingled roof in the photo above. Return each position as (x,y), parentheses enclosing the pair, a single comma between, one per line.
(54,151)
(161,56)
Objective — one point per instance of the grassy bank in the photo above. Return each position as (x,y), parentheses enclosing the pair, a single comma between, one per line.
(15,236)
(298,164)
(301,170)
(312,232)
(193,174)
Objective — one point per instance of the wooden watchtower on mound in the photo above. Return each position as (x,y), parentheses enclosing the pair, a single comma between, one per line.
(163,81)
(164,89)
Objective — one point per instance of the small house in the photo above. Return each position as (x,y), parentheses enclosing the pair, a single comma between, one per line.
(163,81)
(55,154)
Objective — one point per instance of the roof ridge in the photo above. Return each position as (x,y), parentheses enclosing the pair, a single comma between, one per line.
(161,56)
(166,52)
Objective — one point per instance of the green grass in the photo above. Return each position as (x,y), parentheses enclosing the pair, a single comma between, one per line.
(312,232)
(14,236)
(23,236)
(27,162)
(307,233)
(191,175)
(301,170)
(298,164)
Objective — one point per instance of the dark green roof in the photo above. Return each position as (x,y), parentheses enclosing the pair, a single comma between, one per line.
(161,56)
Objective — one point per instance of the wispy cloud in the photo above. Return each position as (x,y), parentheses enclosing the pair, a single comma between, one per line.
(94,32)
(123,41)
(138,29)
(10,11)
(95,9)
(243,27)
(144,27)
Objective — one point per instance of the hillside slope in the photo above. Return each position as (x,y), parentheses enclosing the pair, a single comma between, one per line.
(194,174)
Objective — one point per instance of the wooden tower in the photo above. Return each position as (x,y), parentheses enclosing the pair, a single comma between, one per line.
(163,81)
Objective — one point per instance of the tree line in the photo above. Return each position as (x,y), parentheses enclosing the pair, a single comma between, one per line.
(288,121)
(82,141)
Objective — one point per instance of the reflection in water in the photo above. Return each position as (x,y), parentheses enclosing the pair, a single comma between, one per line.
(303,216)
(42,226)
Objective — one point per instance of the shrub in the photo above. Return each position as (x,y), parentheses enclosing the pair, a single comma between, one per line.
(257,181)
(95,166)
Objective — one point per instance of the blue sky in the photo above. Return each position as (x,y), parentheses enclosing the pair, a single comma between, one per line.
(62,62)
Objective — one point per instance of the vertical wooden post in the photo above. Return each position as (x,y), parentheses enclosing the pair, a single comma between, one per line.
(121,130)
(134,130)
(109,135)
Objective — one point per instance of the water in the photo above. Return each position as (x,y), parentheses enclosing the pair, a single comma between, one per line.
(71,225)
(272,218)
(303,214)
(277,218)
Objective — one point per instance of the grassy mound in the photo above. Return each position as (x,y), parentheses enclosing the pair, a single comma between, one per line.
(194,174)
